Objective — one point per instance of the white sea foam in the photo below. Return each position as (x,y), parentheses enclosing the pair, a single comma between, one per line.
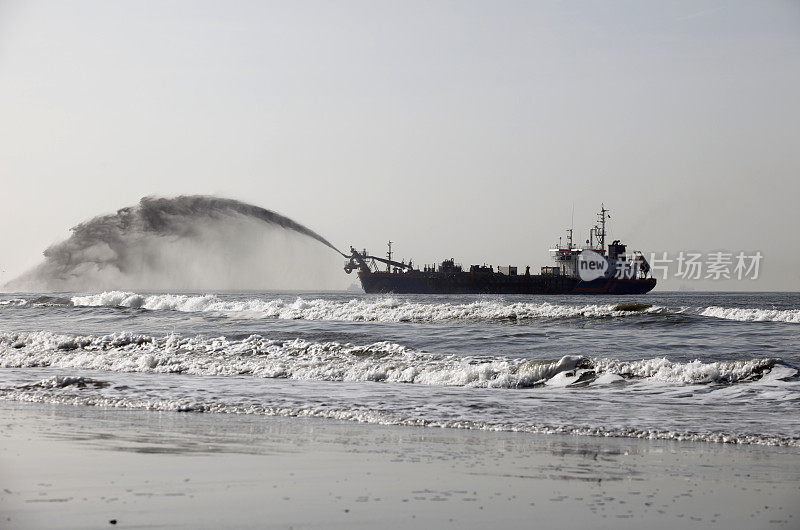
(57,390)
(752,315)
(62,381)
(261,357)
(394,309)
(695,372)
(386,309)
(104,371)
(335,361)
(13,302)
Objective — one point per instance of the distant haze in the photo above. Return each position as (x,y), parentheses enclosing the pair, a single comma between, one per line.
(455,129)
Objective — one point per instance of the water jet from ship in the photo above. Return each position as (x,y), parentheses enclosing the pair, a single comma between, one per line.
(186,242)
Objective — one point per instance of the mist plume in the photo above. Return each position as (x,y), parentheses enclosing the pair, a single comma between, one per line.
(186,242)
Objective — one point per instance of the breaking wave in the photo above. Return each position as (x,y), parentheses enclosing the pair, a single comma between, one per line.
(392,309)
(59,381)
(387,309)
(334,361)
(752,315)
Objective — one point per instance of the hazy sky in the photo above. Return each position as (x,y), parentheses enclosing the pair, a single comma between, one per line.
(463,129)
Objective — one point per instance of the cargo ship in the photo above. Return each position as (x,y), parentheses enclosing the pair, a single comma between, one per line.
(591,269)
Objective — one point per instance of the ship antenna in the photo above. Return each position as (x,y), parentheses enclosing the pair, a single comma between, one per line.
(600,231)
(571,225)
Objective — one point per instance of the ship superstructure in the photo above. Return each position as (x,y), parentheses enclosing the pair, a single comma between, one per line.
(595,268)
(620,263)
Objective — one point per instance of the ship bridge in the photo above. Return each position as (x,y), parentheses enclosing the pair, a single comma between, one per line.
(619,263)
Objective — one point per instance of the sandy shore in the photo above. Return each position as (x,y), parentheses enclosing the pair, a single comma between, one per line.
(81,467)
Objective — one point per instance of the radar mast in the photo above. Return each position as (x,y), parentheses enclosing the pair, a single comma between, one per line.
(600,231)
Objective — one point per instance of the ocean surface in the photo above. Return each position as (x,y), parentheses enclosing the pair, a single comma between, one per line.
(713,367)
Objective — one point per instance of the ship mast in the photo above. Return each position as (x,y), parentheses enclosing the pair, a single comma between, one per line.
(571,228)
(389,257)
(600,231)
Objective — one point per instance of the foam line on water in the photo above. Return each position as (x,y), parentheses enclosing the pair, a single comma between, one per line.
(744,314)
(335,361)
(385,309)
(394,309)
(79,390)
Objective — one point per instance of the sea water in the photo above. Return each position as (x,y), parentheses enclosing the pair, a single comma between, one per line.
(714,367)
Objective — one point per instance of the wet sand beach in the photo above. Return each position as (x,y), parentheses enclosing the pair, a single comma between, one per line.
(83,467)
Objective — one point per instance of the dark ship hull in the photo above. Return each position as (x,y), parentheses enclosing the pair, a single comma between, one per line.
(595,269)
(420,282)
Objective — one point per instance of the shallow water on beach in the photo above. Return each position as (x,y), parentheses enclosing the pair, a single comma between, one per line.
(716,367)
